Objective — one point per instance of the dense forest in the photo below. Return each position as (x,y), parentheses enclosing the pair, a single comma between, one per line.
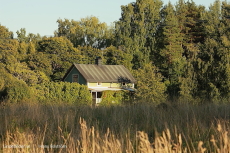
(176,52)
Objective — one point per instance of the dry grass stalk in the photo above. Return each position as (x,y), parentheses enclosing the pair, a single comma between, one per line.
(165,144)
(144,145)
(21,143)
(200,147)
(92,140)
(221,144)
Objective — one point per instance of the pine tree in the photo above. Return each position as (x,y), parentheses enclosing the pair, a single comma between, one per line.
(170,41)
(191,23)
(212,66)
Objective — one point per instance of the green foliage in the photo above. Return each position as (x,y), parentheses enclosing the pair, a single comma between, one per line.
(88,31)
(39,62)
(212,64)
(57,54)
(5,33)
(188,85)
(18,91)
(2,84)
(12,89)
(8,51)
(136,29)
(112,98)
(89,54)
(63,92)
(6,81)
(114,56)
(170,49)
(150,87)
(22,37)
(188,44)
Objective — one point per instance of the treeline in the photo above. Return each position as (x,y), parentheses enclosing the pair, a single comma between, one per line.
(176,52)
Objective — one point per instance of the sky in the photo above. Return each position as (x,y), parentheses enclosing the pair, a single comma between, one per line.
(40,16)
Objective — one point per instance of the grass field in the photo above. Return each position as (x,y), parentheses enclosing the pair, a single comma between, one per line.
(135,128)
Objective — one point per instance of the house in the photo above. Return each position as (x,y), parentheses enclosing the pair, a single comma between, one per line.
(99,78)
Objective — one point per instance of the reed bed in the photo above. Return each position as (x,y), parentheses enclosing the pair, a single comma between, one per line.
(138,128)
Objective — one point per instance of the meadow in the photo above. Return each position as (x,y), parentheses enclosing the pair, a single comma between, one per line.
(138,128)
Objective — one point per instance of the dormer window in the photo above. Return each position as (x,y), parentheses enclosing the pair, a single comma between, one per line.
(75,78)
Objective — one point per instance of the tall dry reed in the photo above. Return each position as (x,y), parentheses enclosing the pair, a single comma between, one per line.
(90,141)
(135,128)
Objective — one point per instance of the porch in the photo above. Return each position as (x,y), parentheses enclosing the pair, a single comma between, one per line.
(96,94)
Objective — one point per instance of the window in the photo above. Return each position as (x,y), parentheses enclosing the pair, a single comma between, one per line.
(99,94)
(99,83)
(75,78)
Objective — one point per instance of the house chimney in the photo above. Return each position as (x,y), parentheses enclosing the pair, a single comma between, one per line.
(98,61)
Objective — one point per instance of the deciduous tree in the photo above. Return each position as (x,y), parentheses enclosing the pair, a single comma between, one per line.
(150,87)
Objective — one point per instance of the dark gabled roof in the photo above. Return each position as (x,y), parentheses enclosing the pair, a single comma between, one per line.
(103,73)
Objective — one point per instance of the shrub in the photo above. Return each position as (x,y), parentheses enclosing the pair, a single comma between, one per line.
(70,93)
(18,91)
(112,98)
